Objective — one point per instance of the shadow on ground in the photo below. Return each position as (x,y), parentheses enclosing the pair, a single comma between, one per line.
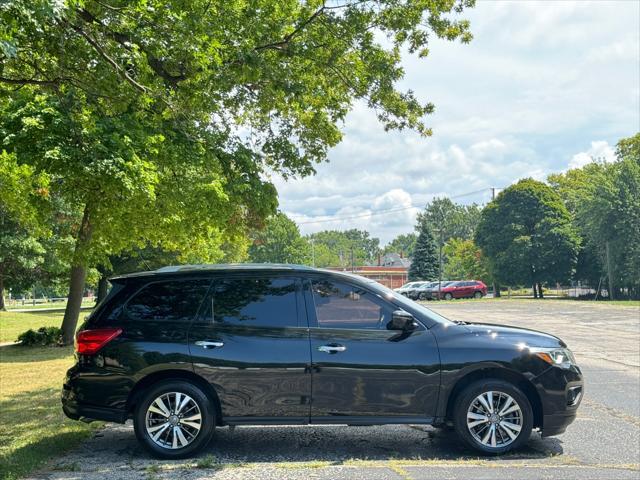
(334,445)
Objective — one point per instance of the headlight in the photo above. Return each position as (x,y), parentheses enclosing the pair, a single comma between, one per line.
(560,357)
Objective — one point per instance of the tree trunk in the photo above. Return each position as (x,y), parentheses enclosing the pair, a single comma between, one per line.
(102,287)
(3,307)
(496,289)
(77,280)
(74,302)
(535,292)
(540,294)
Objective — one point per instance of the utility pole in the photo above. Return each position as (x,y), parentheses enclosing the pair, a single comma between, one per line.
(496,287)
(440,268)
(609,272)
(313,253)
(352,265)
(440,232)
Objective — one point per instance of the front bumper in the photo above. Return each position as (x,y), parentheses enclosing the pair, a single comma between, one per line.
(561,391)
(557,423)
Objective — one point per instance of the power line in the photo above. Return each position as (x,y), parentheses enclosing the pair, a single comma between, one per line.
(389,210)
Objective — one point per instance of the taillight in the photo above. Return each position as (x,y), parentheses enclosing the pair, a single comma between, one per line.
(88,342)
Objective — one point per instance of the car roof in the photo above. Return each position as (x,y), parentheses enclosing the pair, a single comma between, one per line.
(180,270)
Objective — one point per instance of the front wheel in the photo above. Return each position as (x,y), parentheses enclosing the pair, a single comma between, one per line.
(448,296)
(477,295)
(493,416)
(174,419)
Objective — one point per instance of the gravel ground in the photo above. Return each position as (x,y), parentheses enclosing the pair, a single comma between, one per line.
(603,443)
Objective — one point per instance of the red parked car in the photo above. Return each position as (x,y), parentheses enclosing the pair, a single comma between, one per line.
(463,289)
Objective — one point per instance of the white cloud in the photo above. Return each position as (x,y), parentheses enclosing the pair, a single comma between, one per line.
(539,82)
(600,150)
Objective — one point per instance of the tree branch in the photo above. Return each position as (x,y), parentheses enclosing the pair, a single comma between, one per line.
(96,46)
(125,39)
(287,39)
(31,81)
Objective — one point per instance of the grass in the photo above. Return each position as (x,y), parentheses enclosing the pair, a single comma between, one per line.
(33,428)
(13,324)
(59,305)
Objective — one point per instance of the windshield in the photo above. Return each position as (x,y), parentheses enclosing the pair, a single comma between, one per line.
(405,302)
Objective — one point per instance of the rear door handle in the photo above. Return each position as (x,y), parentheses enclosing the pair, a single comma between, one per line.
(332,348)
(209,344)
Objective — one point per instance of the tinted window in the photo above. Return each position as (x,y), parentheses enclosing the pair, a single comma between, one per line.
(261,302)
(339,305)
(111,307)
(173,301)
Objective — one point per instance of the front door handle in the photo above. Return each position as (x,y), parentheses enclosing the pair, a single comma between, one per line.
(332,348)
(209,344)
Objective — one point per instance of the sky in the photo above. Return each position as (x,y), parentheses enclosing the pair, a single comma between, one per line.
(544,86)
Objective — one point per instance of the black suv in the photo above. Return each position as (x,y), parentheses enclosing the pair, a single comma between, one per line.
(182,350)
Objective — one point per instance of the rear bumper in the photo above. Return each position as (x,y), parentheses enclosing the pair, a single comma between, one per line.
(76,410)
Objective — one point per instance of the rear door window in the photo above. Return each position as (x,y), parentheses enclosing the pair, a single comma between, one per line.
(256,302)
(175,301)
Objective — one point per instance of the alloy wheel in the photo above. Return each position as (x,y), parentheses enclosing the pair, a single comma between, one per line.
(494,419)
(173,420)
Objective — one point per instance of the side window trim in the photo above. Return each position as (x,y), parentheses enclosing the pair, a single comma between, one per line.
(309,304)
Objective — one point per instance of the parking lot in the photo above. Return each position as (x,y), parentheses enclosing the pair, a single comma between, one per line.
(603,443)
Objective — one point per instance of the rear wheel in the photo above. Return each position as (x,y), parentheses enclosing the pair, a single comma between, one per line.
(477,295)
(493,416)
(174,419)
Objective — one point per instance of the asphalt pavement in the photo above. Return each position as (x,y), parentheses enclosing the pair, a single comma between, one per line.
(603,443)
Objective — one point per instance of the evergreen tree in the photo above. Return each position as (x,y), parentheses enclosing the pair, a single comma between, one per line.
(424,265)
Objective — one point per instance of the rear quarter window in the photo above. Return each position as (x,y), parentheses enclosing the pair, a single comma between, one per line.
(175,301)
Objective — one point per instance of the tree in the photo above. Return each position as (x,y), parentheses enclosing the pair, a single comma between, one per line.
(159,123)
(528,236)
(604,200)
(425,261)
(452,220)
(577,189)
(403,244)
(334,248)
(280,242)
(180,195)
(22,204)
(20,255)
(465,261)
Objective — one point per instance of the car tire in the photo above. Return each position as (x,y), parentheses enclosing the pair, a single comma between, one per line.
(477,295)
(177,401)
(512,429)
(448,296)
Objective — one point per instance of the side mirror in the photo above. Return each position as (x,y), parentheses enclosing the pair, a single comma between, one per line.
(401,320)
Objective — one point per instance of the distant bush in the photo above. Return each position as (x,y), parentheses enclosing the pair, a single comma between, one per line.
(41,337)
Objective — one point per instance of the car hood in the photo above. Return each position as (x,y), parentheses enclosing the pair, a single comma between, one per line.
(515,335)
